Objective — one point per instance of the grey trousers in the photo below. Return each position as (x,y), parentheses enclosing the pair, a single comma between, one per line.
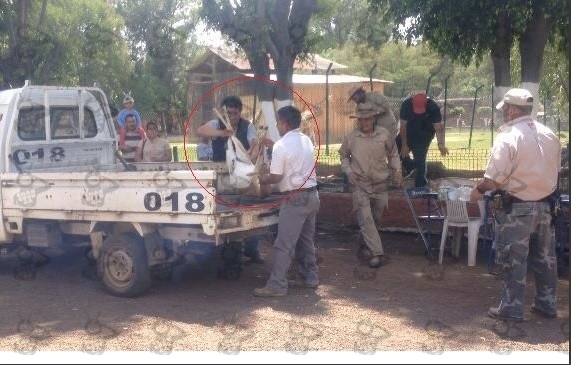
(296,229)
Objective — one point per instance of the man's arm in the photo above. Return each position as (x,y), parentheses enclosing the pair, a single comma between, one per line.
(207,130)
(439,128)
(277,167)
(393,160)
(482,187)
(345,155)
(167,152)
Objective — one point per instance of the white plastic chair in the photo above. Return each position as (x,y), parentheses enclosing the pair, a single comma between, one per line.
(457,216)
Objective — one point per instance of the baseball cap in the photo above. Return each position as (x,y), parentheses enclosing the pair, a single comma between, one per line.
(364,110)
(353,91)
(419,103)
(128,99)
(516,96)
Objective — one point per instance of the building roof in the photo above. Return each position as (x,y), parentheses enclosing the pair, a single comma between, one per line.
(238,62)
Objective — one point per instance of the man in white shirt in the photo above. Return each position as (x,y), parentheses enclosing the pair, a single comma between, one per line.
(293,170)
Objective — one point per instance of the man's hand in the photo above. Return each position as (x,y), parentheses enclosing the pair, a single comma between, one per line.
(267,142)
(404,151)
(226,132)
(443,150)
(475,195)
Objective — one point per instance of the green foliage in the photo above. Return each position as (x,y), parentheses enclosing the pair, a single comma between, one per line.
(466,30)
(339,21)
(157,33)
(409,68)
(68,42)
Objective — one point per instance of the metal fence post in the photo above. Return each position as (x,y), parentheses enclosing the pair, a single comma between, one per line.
(175,153)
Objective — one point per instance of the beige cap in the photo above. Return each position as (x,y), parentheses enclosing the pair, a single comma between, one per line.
(516,96)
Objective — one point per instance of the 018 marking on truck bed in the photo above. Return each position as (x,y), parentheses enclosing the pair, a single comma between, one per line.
(153,201)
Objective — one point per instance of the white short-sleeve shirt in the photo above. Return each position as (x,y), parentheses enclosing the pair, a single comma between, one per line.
(292,157)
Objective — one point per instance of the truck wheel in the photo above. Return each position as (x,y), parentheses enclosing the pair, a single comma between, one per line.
(123,265)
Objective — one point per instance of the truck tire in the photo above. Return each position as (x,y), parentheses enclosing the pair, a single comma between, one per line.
(123,265)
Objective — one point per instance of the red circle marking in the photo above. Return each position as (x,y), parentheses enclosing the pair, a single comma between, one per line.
(210,91)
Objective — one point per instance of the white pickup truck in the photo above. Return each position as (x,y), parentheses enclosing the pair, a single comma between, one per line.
(136,217)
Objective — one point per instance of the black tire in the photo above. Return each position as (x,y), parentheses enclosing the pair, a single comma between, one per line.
(123,265)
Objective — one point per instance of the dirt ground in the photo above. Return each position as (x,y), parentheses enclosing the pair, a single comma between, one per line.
(410,304)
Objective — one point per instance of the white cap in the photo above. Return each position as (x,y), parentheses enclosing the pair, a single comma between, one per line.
(516,97)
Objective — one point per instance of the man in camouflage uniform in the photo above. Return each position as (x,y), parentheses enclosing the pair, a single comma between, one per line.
(524,166)
(371,162)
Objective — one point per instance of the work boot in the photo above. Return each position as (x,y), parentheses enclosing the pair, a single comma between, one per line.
(269,292)
(535,310)
(496,313)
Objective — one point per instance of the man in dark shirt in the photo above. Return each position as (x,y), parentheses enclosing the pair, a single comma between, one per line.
(246,134)
(420,120)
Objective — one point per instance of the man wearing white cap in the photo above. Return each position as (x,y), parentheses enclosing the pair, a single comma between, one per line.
(370,159)
(523,167)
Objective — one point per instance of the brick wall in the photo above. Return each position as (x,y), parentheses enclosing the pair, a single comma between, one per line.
(336,208)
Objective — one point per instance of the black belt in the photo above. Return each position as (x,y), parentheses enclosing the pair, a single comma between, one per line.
(304,190)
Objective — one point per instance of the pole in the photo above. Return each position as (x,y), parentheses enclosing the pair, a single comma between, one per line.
(327,109)
(492,118)
(371,76)
(473,115)
(445,102)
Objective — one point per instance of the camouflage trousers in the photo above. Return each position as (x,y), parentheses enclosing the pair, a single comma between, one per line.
(369,208)
(526,230)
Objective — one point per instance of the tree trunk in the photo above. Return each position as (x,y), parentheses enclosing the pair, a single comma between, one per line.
(531,47)
(500,53)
